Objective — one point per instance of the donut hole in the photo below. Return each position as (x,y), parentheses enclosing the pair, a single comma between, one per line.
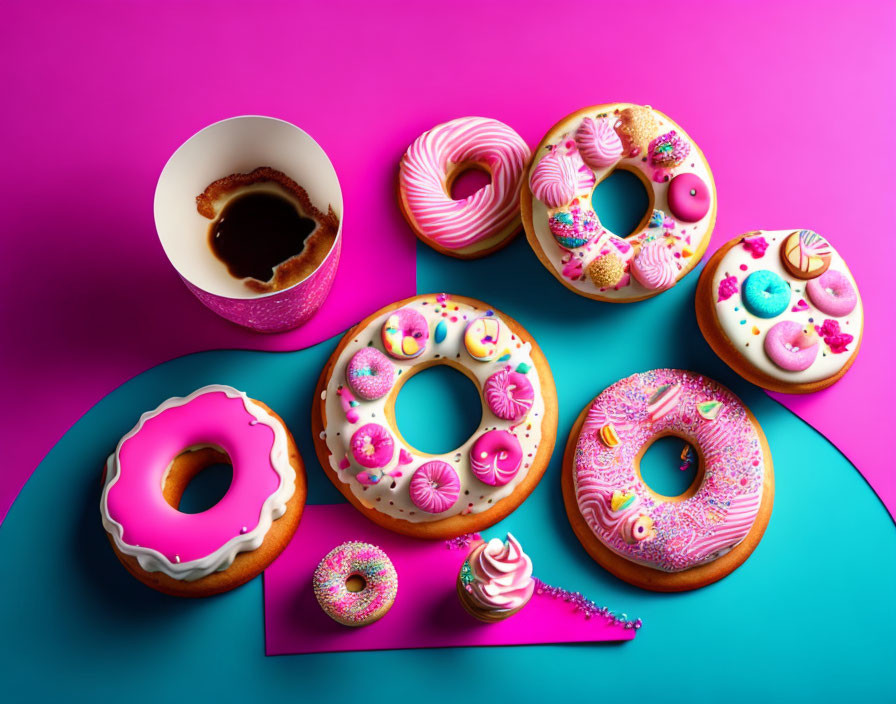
(670,467)
(467,179)
(196,480)
(355,583)
(437,409)
(623,202)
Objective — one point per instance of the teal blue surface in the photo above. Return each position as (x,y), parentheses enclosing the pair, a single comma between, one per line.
(809,617)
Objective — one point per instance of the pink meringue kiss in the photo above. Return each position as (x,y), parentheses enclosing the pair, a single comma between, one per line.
(598,143)
(654,267)
(554,180)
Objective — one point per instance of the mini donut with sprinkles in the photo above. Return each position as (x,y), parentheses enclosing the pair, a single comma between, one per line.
(566,233)
(415,493)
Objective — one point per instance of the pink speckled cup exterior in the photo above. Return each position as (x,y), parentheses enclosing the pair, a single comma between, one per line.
(239,145)
(281,310)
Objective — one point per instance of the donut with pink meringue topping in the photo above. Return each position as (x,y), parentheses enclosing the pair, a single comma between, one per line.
(420,492)
(566,232)
(782,309)
(481,222)
(658,542)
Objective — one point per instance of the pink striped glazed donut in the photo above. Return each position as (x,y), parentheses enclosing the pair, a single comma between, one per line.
(482,222)
(509,394)
(657,534)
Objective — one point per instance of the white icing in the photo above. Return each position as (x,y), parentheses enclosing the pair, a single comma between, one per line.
(696,231)
(395,501)
(272,508)
(732,311)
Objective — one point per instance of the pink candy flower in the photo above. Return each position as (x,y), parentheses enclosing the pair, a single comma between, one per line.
(833,338)
(727,288)
(756,246)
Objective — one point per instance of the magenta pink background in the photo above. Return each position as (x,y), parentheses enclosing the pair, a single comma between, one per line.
(793,104)
(426,613)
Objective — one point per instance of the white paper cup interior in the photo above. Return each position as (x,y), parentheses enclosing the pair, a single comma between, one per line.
(237,145)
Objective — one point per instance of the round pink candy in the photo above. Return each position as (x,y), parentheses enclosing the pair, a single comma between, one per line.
(372,446)
(435,487)
(832,293)
(780,342)
(509,394)
(495,457)
(370,374)
(689,197)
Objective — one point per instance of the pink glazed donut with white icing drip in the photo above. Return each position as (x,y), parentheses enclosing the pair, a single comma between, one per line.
(213,551)
(482,222)
(668,543)
(566,233)
(452,493)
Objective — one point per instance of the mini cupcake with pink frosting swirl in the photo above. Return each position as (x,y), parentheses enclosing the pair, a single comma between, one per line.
(495,580)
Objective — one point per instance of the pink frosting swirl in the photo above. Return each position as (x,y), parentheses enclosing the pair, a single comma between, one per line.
(502,575)
(598,143)
(654,267)
(509,394)
(435,487)
(554,180)
(455,224)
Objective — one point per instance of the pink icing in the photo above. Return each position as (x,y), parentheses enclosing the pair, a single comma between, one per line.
(435,487)
(598,143)
(502,575)
(689,197)
(348,402)
(372,446)
(370,373)
(455,224)
(135,500)
(655,267)
(833,338)
(554,180)
(789,347)
(495,457)
(685,533)
(509,394)
(832,293)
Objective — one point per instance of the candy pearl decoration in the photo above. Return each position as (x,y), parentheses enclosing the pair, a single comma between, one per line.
(833,294)
(435,487)
(495,457)
(765,294)
(689,197)
(789,347)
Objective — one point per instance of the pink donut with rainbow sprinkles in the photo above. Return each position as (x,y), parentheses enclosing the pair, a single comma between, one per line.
(661,542)
(483,221)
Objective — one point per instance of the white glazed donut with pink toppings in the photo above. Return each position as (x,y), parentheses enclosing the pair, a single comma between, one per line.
(444,494)
(481,222)
(566,233)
